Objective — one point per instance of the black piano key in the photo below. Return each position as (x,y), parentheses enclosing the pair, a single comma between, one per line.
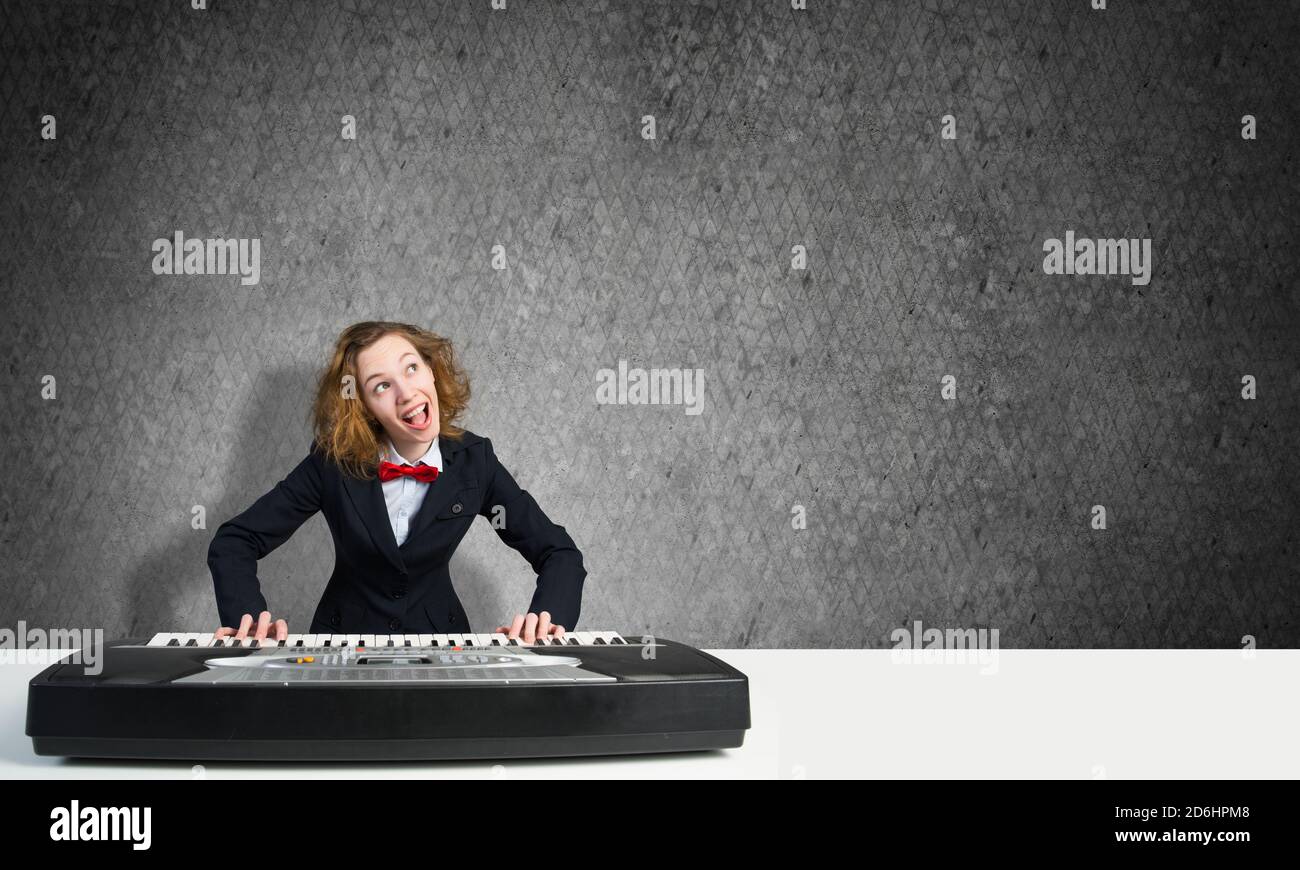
(598,640)
(618,640)
(573,641)
(514,641)
(173,642)
(191,642)
(221,641)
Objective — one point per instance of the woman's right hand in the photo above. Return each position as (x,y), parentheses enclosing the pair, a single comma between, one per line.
(280,629)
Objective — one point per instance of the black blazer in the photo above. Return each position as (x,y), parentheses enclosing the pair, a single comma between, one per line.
(378,587)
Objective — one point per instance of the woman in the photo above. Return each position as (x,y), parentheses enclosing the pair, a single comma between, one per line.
(400,484)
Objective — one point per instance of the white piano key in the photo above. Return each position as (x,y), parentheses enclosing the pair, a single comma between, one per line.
(311,640)
(368,640)
(206,639)
(354,639)
(584,637)
(606,636)
(160,639)
(293,639)
(442,639)
(380,639)
(337,639)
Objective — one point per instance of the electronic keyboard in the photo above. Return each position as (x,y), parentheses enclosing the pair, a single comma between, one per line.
(357,697)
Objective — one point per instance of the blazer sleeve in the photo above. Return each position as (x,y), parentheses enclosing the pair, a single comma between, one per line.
(547,546)
(240,542)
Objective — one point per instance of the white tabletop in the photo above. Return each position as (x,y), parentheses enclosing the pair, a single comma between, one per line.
(1069,714)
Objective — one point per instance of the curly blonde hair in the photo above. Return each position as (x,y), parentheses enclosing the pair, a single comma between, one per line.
(344,428)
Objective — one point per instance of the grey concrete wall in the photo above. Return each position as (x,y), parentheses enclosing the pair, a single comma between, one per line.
(774,128)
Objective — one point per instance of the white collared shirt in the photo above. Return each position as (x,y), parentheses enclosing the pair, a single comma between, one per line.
(404,495)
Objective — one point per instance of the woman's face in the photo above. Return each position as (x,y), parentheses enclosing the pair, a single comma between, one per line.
(394,382)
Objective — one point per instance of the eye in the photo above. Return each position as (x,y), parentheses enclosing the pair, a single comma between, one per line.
(413,366)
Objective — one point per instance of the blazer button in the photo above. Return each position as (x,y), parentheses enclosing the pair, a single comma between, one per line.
(335,620)
(394,624)
(452,618)
(456,508)
(398,593)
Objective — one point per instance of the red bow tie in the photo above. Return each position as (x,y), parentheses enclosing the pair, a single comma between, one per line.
(423,473)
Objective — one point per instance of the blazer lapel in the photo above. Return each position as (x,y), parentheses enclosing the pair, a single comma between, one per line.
(368,498)
(442,492)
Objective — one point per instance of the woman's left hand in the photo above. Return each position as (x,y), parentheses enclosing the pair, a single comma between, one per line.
(532,627)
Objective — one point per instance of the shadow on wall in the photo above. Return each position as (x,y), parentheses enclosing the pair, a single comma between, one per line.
(270,439)
(293,577)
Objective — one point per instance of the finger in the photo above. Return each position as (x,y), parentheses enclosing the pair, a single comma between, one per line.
(530,628)
(263,623)
(544,624)
(281,629)
(223,631)
(244,622)
(559,631)
(517,626)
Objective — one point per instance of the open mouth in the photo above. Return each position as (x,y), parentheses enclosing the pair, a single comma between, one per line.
(418,418)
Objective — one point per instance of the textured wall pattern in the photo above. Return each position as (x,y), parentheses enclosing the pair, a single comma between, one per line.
(822,386)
